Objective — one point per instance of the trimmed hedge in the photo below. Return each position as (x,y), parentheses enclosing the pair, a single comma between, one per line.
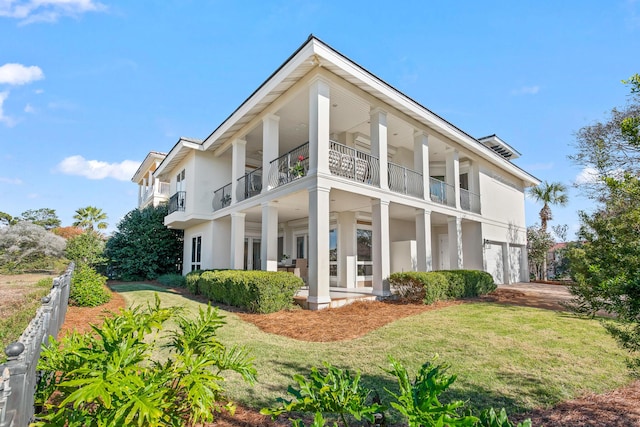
(172,280)
(255,291)
(435,286)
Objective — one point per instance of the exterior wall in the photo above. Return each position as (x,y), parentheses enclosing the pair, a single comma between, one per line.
(472,245)
(401,230)
(206,260)
(501,198)
(210,173)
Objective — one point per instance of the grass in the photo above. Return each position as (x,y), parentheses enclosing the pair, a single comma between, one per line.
(504,356)
(25,300)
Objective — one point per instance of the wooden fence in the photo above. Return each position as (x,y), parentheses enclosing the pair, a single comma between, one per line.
(18,376)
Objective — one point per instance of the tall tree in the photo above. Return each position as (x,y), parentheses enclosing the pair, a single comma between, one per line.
(87,217)
(43,217)
(26,246)
(6,219)
(554,193)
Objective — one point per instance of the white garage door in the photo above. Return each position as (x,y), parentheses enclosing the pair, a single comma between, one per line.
(493,261)
(516,262)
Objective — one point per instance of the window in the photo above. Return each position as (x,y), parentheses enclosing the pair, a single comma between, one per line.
(464,181)
(196,253)
(300,247)
(333,252)
(180,181)
(365,264)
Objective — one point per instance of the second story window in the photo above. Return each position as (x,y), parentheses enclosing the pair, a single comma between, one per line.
(180,185)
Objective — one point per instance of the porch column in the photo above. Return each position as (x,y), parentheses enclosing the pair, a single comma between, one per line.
(423,240)
(506,263)
(421,160)
(455,243)
(379,148)
(269,241)
(238,160)
(237,241)
(270,146)
(452,177)
(347,249)
(319,126)
(318,262)
(380,247)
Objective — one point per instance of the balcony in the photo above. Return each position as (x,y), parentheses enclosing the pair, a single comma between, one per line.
(161,190)
(289,166)
(222,197)
(405,181)
(441,192)
(249,185)
(353,164)
(177,202)
(469,201)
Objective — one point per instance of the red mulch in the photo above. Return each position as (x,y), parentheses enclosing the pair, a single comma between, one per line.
(619,408)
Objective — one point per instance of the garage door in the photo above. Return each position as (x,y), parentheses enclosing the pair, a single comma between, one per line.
(516,262)
(493,261)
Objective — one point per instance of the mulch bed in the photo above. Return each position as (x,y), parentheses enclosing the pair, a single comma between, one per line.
(619,408)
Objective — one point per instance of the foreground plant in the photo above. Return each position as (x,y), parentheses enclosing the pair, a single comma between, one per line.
(111,378)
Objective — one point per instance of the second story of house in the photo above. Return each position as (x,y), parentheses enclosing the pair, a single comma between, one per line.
(151,190)
(323,120)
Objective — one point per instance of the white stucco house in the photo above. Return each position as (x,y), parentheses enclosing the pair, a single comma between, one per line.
(328,165)
(151,191)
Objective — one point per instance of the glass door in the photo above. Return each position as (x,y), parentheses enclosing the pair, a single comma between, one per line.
(365,261)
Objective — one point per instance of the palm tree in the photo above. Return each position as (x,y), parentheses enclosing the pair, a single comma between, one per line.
(554,193)
(87,217)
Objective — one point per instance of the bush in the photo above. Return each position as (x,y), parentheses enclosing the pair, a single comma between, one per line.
(191,281)
(172,280)
(29,247)
(88,288)
(433,286)
(256,291)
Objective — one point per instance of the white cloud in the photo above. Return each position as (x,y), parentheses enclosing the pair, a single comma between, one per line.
(13,181)
(18,74)
(587,175)
(38,91)
(7,120)
(30,11)
(526,90)
(96,169)
(29,109)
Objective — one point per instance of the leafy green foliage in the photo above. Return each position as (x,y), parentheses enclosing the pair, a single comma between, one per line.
(433,286)
(538,243)
(549,193)
(192,279)
(111,378)
(489,418)
(336,392)
(28,247)
(44,217)
(256,291)
(88,288)
(172,280)
(86,248)
(87,218)
(143,248)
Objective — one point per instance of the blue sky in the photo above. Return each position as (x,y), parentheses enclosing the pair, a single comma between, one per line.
(88,88)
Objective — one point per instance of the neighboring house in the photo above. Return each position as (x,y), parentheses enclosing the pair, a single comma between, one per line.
(328,165)
(151,190)
(555,256)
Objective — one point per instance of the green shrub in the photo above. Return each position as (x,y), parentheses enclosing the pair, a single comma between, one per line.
(88,288)
(435,286)
(191,281)
(256,291)
(172,280)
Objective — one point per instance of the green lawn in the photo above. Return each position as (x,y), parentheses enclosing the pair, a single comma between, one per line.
(504,356)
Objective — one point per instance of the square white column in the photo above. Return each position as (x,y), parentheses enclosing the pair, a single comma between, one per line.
(347,249)
(423,240)
(319,126)
(452,177)
(380,247)
(421,160)
(455,243)
(270,146)
(318,262)
(238,161)
(379,148)
(237,241)
(269,241)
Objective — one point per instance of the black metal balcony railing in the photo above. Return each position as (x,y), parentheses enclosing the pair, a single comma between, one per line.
(353,164)
(177,202)
(289,166)
(222,197)
(469,201)
(405,181)
(249,185)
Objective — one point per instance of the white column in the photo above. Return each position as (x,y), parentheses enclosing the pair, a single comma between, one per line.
(379,148)
(506,263)
(380,247)
(452,177)
(319,126)
(318,262)
(423,240)
(238,161)
(269,241)
(421,159)
(270,146)
(455,243)
(237,241)
(347,249)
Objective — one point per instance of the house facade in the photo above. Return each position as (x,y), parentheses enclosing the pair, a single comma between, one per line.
(329,172)
(151,191)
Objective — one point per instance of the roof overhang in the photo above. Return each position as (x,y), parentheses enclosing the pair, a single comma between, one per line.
(179,151)
(147,164)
